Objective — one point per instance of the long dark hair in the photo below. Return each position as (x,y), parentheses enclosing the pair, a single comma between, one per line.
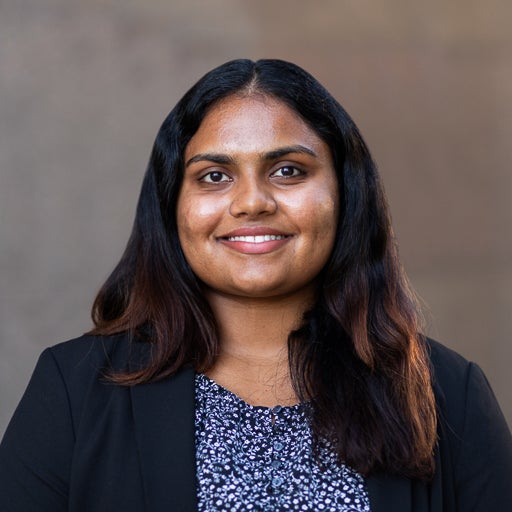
(358,357)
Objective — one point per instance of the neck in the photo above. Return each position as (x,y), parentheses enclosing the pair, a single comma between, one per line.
(253,357)
(257,328)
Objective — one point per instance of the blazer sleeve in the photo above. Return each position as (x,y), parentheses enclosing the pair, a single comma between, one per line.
(36,450)
(483,464)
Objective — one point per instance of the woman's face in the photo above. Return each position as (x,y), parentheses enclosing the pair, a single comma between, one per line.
(258,207)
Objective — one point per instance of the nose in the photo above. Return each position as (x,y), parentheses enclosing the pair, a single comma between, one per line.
(252,198)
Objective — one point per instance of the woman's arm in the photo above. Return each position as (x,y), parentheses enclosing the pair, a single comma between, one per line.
(483,466)
(36,451)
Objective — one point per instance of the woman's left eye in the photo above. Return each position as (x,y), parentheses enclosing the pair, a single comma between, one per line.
(287,171)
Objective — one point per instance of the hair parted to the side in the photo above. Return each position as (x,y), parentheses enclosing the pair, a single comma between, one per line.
(358,357)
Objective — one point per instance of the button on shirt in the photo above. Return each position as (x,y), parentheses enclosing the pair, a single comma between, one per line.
(262,459)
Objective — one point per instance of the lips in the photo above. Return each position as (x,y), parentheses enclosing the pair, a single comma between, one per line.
(255,240)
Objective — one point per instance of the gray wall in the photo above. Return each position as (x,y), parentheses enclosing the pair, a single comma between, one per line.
(84,86)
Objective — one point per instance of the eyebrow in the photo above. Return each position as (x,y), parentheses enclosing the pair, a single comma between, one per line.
(223,159)
(280,152)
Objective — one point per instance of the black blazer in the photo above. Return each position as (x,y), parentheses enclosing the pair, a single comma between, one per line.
(77,443)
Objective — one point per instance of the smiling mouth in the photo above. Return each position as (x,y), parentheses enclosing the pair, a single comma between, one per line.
(255,239)
(258,243)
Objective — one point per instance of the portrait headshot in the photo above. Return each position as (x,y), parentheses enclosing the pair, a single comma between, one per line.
(257,342)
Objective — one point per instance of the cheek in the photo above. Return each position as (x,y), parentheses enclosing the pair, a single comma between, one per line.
(323,226)
(186,233)
(193,217)
(320,216)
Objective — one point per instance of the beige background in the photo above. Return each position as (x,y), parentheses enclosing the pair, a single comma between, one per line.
(84,86)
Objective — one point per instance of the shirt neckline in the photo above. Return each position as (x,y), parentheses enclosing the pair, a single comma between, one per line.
(226,392)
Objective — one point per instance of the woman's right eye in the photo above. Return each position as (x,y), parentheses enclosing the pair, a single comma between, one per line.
(215,177)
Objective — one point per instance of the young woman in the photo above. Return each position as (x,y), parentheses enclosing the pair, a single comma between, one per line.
(257,347)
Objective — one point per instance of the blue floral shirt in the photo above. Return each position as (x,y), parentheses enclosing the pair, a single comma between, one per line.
(252,458)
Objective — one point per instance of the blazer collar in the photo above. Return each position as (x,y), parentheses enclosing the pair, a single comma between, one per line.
(164,428)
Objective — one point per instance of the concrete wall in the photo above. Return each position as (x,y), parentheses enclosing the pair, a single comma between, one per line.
(84,86)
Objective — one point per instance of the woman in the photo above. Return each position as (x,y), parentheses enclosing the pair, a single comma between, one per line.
(257,347)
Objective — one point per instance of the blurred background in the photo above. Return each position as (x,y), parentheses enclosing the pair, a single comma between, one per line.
(85,85)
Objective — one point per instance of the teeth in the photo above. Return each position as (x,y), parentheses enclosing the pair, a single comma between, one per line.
(257,239)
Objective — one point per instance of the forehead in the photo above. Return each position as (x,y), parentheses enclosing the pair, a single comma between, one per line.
(250,123)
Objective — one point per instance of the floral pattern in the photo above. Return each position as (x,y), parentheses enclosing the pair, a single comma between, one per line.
(252,458)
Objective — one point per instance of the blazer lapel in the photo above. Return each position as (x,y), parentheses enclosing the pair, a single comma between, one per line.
(164,427)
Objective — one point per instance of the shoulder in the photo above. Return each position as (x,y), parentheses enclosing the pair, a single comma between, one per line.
(449,368)
(71,381)
(472,429)
(79,367)
(89,345)
(90,354)
(443,357)
(455,380)
(64,420)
